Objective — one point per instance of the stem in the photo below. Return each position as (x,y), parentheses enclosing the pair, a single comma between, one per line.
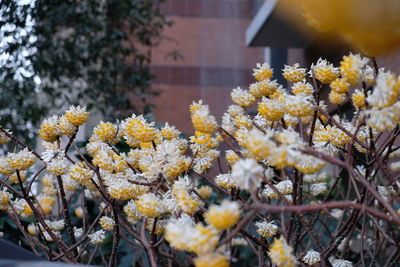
(66,213)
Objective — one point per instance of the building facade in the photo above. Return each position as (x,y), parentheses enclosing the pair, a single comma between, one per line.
(210,36)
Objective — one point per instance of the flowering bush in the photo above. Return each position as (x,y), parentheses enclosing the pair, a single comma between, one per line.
(300,183)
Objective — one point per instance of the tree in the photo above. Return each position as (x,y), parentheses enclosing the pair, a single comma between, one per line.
(57,53)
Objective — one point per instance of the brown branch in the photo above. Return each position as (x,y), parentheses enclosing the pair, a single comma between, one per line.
(322,206)
(67,214)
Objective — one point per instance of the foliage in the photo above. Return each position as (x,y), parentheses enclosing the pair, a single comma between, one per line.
(91,52)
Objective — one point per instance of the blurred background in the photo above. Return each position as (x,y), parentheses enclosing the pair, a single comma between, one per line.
(119,57)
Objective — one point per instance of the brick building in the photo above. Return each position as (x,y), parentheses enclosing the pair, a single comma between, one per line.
(221,41)
(210,36)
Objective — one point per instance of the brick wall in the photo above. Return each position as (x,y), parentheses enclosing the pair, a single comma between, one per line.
(210,35)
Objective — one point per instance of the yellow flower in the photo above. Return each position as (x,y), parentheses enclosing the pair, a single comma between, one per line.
(255,90)
(302,88)
(78,212)
(270,109)
(258,144)
(5,166)
(358,99)
(32,229)
(351,68)
(262,72)
(57,166)
(106,132)
(386,90)
(5,198)
(235,110)
(149,205)
(21,160)
(324,71)
(66,127)
(205,191)
(107,223)
(267,87)
(231,157)
(79,173)
(201,138)
(223,216)
(340,86)
(202,120)
(184,200)
(336,98)
(242,98)
(309,164)
(138,128)
(104,160)
(124,190)
(243,121)
(267,229)
(131,211)
(225,181)
(204,239)
(160,226)
(46,203)
(293,73)
(77,115)
(278,157)
(281,253)
(299,105)
(170,132)
(214,259)
(14,177)
(49,130)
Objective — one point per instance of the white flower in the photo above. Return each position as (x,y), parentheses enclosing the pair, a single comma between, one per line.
(239,241)
(228,123)
(260,121)
(310,178)
(337,213)
(269,173)
(55,225)
(341,263)
(107,223)
(266,229)
(285,187)
(395,166)
(78,232)
(225,181)
(179,232)
(380,120)
(385,191)
(312,257)
(242,97)
(49,238)
(384,93)
(19,205)
(97,237)
(247,174)
(58,166)
(318,188)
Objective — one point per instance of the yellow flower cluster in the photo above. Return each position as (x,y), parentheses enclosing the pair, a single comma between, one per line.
(224,216)
(280,253)
(107,223)
(156,178)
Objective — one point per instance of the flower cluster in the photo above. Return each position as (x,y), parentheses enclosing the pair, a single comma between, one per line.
(276,174)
